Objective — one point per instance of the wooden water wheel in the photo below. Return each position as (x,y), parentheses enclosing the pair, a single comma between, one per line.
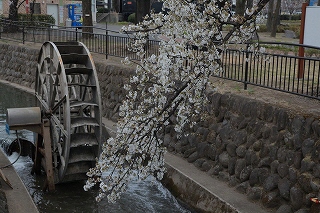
(68,91)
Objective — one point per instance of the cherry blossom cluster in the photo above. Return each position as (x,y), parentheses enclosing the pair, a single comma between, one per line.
(167,89)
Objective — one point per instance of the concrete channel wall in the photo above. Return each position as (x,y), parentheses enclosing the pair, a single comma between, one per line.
(265,152)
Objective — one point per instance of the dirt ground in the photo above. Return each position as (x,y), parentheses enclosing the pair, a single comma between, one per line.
(298,104)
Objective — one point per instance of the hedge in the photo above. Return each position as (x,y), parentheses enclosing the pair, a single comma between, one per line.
(36,19)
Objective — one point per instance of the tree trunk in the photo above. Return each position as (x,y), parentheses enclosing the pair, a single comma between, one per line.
(270,12)
(142,9)
(13,10)
(275,19)
(240,7)
(13,16)
(87,30)
(116,6)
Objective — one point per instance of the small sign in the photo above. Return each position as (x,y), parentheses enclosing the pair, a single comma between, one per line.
(8,129)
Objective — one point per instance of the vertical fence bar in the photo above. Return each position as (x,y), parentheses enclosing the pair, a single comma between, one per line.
(23,35)
(264,67)
(312,79)
(76,33)
(107,41)
(318,81)
(241,64)
(49,36)
(289,80)
(246,68)
(280,74)
(269,65)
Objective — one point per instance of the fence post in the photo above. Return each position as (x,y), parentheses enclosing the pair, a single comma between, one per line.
(301,48)
(246,68)
(107,40)
(49,34)
(23,35)
(76,33)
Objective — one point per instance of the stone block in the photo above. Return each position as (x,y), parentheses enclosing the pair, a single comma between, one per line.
(290,34)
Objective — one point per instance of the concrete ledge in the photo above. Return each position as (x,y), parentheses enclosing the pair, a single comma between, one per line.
(17,86)
(203,192)
(18,198)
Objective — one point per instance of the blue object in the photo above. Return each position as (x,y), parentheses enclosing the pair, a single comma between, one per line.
(75,14)
(8,129)
(313,2)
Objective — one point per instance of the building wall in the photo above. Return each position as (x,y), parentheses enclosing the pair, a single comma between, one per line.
(43,6)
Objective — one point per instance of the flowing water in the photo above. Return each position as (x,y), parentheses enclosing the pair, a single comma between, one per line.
(146,196)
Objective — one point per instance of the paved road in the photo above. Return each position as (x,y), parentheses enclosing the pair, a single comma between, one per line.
(113,29)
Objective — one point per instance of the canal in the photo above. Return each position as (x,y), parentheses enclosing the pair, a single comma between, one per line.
(147,196)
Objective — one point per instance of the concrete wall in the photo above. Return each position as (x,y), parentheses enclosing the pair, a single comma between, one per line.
(261,150)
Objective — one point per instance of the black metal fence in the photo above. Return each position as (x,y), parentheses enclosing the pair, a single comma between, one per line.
(101,41)
(280,67)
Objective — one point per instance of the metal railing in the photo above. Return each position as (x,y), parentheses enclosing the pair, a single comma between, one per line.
(102,40)
(279,68)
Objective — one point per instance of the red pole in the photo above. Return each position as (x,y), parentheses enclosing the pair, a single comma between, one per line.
(301,49)
(27,6)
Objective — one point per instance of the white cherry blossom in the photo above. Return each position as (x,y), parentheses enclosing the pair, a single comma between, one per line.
(167,88)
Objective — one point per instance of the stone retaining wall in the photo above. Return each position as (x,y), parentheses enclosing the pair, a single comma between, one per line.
(18,65)
(263,151)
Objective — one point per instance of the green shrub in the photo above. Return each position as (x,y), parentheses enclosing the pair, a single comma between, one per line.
(312,52)
(281,28)
(296,17)
(132,18)
(285,17)
(102,10)
(290,17)
(262,28)
(36,19)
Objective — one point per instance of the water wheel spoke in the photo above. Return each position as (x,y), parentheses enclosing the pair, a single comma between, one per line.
(54,90)
(57,105)
(57,122)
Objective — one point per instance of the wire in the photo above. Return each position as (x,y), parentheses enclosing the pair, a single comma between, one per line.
(18,155)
